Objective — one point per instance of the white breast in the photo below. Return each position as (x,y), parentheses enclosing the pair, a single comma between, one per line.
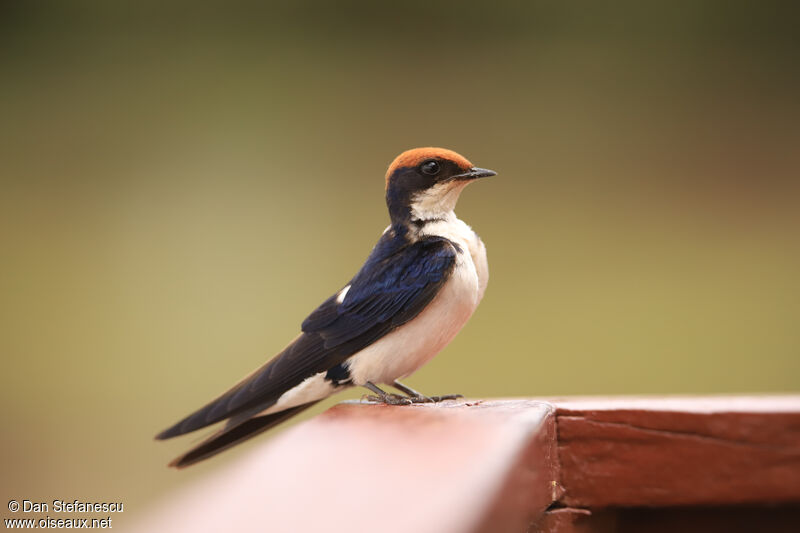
(410,346)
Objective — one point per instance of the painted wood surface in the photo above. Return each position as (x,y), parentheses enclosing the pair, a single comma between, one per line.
(540,465)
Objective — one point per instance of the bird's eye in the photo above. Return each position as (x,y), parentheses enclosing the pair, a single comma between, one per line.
(430,167)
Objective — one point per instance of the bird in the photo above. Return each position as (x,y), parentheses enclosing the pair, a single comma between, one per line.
(418,287)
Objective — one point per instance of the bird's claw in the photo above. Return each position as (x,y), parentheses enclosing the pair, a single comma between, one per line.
(437,399)
(389,399)
(398,399)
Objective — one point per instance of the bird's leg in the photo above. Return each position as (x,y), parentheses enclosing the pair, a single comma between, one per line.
(417,397)
(382,396)
(409,391)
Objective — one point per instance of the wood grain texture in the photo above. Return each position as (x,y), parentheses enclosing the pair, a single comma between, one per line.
(679,451)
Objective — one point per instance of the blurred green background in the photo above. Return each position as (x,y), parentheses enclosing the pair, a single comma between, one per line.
(183,182)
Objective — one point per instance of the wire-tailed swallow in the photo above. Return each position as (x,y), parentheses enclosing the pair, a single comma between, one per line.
(416,290)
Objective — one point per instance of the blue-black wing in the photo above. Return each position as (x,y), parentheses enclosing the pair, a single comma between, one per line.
(398,280)
(390,289)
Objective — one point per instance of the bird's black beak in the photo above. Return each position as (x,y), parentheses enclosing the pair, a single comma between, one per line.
(475,173)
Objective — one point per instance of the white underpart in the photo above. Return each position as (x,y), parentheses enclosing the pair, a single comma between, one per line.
(437,201)
(404,350)
(314,388)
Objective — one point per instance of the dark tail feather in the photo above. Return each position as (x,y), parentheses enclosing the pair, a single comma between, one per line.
(229,436)
(305,356)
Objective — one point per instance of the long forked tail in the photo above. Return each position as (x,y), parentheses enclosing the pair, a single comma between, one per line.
(229,436)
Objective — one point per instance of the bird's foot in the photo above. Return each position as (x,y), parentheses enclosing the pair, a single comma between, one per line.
(399,399)
(437,399)
(389,399)
(418,397)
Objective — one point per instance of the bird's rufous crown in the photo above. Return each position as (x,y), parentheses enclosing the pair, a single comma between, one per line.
(415,156)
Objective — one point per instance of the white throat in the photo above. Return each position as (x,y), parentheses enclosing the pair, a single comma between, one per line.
(438,202)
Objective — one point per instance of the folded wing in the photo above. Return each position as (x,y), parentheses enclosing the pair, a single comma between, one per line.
(398,280)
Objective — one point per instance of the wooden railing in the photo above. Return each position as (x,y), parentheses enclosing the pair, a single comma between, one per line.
(576,464)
